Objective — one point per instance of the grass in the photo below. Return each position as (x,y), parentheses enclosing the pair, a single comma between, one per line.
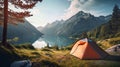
(62,58)
(7,56)
(50,57)
(108,42)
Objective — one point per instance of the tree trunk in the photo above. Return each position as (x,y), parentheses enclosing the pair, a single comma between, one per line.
(4,36)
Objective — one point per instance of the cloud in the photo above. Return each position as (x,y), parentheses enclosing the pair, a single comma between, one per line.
(83,1)
(95,7)
(75,7)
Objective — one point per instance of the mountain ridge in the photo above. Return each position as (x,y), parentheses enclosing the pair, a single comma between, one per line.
(74,25)
(108,30)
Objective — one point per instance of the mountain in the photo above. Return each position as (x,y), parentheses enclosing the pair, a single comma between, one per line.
(51,29)
(21,33)
(108,30)
(81,22)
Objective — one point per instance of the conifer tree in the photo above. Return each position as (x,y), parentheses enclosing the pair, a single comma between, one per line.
(12,16)
(116,12)
(115,21)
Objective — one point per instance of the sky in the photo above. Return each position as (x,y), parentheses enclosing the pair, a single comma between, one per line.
(49,11)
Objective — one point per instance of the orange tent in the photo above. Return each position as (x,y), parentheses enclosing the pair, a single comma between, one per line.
(87,49)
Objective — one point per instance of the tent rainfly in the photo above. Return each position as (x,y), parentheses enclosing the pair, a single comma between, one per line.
(87,49)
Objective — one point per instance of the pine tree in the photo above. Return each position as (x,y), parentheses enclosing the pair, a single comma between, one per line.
(116,12)
(115,21)
(11,16)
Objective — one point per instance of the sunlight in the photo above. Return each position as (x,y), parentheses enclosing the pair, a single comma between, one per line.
(39,44)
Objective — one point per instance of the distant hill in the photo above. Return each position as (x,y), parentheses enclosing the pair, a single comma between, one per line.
(107,30)
(81,22)
(51,29)
(21,33)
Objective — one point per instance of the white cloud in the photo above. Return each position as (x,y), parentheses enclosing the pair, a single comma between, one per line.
(76,6)
(71,10)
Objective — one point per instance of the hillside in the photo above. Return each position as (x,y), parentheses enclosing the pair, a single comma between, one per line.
(51,29)
(50,57)
(77,24)
(21,33)
(107,30)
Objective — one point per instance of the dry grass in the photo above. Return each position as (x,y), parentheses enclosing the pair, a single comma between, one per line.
(108,42)
(61,58)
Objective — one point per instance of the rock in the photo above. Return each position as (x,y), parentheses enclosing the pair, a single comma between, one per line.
(114,50)
(23,63)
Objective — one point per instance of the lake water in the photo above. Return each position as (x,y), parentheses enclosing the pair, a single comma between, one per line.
(53,40)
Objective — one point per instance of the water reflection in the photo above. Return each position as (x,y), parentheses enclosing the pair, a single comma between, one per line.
(53,40)
(39,44)
(57,40)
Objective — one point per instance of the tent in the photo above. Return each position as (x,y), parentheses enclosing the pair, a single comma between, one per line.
(87,49)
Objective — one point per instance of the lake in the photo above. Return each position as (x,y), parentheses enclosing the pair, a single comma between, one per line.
(60,41)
